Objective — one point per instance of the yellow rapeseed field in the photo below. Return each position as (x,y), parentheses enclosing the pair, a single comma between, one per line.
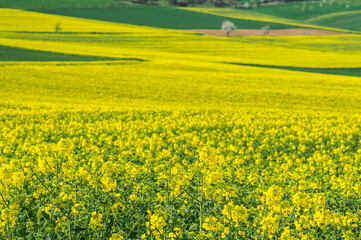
(172,140)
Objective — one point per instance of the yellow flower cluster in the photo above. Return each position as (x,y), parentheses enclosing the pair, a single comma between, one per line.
(181,175)
(235,214)
(96,220)
(156,224)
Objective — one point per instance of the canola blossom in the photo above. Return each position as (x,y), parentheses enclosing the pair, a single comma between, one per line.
(171,141)
(156,175)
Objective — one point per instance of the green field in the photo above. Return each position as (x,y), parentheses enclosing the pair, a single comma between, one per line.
(177,18)
(348,20)
(163,17)
(39,4)
(333,71)
(306,10)
(19,54)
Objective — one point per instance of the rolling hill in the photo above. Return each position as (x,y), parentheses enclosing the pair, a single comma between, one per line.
(345,20)
(309,9)
(162,17)
(41,4)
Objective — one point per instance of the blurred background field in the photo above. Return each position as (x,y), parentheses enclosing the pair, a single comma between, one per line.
(231,72)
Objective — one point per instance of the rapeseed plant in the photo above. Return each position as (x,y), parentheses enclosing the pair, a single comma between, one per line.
(182,145)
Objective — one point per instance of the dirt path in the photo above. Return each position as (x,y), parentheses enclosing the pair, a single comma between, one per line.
(278,32)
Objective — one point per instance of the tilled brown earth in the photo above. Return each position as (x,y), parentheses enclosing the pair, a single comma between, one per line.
(257,32)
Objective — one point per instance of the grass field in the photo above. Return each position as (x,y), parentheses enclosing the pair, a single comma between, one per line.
(19,54)
(40,4)
(306,10)
(346,20)
(332,71)
(249,15)
(176,141)
(163,17)
(290,15)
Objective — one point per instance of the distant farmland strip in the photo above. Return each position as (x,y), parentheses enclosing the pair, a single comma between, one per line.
(306,10)
(349,21)
(334,71)
(37,4)
(19,54)
(162,17)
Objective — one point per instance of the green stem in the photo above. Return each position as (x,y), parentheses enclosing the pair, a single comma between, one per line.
(69,230)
